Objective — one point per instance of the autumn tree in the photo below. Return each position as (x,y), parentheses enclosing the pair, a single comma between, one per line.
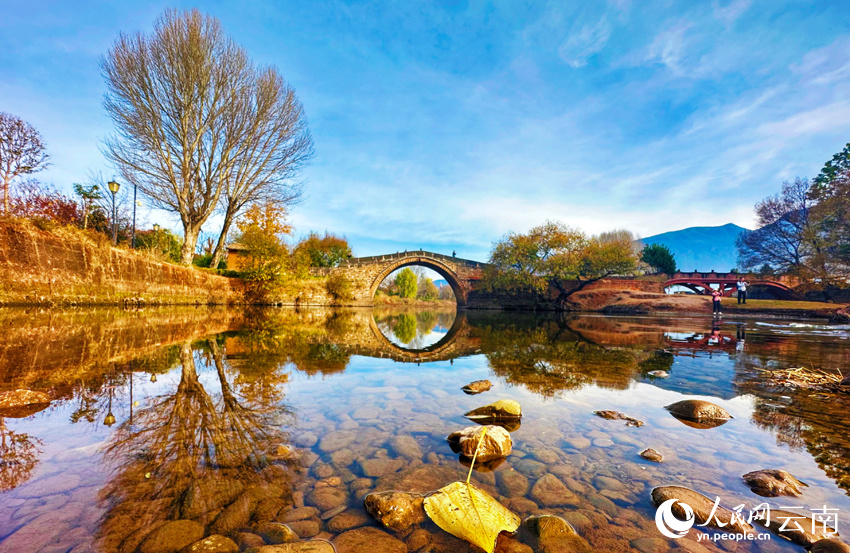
(22,152)
(197,121)
(261,231)
(406,283)
(553,255)
(427,290)
(660,258)
(324,251)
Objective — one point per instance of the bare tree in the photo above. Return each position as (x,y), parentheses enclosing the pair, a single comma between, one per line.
(181,101)
(275,145)
(22,151)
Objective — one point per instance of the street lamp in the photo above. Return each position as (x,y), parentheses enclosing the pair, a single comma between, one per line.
(110,418)
(113,187)
(133,240)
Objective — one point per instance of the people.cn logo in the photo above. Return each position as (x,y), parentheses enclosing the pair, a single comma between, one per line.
(671,526)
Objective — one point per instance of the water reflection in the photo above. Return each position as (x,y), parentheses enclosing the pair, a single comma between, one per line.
(216,396)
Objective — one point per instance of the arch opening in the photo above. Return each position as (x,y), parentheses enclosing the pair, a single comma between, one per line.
(433,281)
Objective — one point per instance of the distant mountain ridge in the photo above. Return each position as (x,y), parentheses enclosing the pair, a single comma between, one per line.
(701,248)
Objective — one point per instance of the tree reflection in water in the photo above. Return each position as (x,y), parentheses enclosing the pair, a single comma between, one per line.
(191,452)
(18,456)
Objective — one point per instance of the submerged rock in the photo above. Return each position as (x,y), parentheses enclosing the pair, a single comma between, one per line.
(395,510)
(549,491)
(275,532)
(830,546)
(312,546)
(502,409)
(651,455)
(659,374)
(212,544)
(477,387)
(552,534)
(701,507)
(773,483)
(797,527)
(616,415)
(172,537)
(701,414)
(368,540)
(496,443)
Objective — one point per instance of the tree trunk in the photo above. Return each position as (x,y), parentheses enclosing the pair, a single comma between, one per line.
(564,294)
(218,253)
(190,240)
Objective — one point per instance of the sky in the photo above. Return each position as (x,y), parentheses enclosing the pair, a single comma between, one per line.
(446,125)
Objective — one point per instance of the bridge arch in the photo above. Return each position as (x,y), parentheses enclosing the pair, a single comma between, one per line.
(434,264)
(441,350)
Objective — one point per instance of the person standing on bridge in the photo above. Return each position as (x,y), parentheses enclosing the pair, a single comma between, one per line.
(715,300)
(742,290)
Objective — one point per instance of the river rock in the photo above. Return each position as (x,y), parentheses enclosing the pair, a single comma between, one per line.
(496,443)
(477,387)
(305,528)
(659,374)
(268,509)
(301,513)
(275,532)
(368,540)
(616,415)
(830,546)
(406,446)
(395,510)
(22,403)
(212,544)
(374,468)
(421,479)
(512,483)
(306,439)
(417,539)
(549,491)
(530,468)
(552,534)
(312,546)
(498,410)
(651,455)
(701,506)
(773,483)
(334,441)
(346,520)
(172,537)
(247,540)
(798,528)
(703,414)
(326,498)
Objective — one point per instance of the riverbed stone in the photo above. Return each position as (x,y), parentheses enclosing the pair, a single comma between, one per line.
(417,539)
(276,532)
(326,497)
(829,546)
(300,513)
(549,491)
(212,544)
(773,483)
(312,546)
(377,467)
(405,446)
(650,545)
(477,387)
(172,536)
(395,510)
(530,467)
(496,443)
(348,519)
(698,410)
(368,540)
(421,479)
(305,528)
(579,442)
(305,439)
(701,506)
(334,441)
(512,483)
(247,540)
(552,534)
(268,508)
(651,455)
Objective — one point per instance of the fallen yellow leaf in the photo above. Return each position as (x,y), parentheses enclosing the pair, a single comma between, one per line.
(470,514)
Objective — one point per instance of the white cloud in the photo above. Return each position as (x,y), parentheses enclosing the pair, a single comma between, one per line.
(587,41)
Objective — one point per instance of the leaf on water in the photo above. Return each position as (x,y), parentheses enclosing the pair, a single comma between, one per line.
(470,514)
(504,408)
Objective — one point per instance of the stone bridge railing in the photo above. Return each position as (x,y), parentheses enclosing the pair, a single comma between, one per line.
(374,259)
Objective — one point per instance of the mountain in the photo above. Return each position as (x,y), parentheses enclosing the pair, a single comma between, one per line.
(701,248)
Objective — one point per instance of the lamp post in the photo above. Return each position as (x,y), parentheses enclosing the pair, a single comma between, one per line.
(156,236)
(133,240)
(110,418)
(113,187)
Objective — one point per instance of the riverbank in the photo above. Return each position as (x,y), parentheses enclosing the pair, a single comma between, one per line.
(632,302)
(396,301)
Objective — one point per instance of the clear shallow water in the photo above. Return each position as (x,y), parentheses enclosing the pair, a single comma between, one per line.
(224,402)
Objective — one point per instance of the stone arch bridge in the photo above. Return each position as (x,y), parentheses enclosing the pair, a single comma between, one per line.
(367,273)
(704,283)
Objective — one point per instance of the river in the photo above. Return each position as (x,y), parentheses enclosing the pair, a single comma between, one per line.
(179,414)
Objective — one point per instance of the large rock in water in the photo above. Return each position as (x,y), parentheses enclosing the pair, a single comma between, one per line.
(552,534)
(172,537)
(699,413)
(773,483)
(212,544)
(395,510)
(829,546)
(477,387)
(421,479)
(496,443)
(22,403)
(701,506)
(498,410)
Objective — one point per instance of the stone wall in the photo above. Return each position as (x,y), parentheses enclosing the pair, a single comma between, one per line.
(478,299)
(67,266)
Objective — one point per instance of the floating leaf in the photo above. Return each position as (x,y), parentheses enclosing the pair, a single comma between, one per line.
(468,513)
(502,409)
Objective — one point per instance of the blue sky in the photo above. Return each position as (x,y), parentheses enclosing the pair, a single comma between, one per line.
(445,125)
